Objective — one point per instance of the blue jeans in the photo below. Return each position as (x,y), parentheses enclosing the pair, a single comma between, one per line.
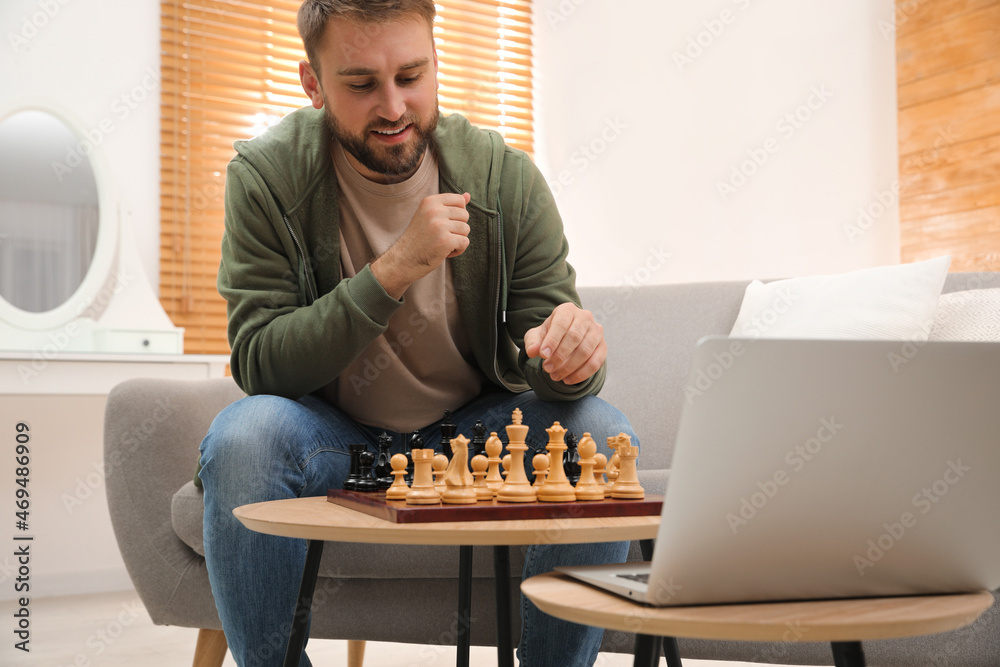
(267,447)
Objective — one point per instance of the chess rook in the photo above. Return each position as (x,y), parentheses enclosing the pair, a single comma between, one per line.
(366,482)
(416,442)
(478,444)
(626,485)
(383,470)
(354,473)
(447,433)
(422,492)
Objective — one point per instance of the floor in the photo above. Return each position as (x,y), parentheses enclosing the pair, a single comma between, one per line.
(114,630)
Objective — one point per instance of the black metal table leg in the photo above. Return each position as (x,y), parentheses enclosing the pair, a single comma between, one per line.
(671,652)
(647,651)
(297,636)
(647,549)
(501,575)
(670,649)
(848,654)
(464,605)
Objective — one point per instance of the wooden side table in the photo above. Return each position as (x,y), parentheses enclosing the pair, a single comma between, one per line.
(843,623)
(317,520)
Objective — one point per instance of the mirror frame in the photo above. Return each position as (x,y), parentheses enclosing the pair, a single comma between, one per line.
(103,264)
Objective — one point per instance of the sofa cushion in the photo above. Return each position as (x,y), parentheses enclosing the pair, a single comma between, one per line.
(889,302)
(972,315)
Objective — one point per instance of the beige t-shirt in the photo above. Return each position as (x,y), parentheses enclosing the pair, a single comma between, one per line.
(407,377)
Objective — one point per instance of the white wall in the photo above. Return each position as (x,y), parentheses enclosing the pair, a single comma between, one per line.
(96,61)
(648,107)
(662,133)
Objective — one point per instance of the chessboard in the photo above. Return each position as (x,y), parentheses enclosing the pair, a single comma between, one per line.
(397,511)
(443,489)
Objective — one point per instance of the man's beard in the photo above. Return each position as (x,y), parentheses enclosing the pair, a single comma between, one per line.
(398,160)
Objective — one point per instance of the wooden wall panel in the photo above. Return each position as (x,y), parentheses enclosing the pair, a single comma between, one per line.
(948,77)
(916,15)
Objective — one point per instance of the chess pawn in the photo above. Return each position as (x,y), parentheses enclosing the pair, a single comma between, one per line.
(422,492)
(366,483)
(459,489)
(439,465)
(479,465)
(493,448)
(541,465)
(600,463)
(398,490)
(505,464)
(627,485)
(556,488)
(588,487)
(516,488)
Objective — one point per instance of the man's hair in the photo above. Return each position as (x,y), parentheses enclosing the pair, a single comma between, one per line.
(315,14)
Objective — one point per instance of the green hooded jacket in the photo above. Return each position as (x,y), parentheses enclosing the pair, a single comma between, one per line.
(295,325)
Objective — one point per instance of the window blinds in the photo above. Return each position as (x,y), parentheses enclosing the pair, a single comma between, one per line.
(230,69)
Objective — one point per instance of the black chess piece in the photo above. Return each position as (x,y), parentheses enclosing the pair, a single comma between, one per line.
(447,433)
(478,443)
(350,484)
(366,483)
(416,442)
(383,471)
(571,462)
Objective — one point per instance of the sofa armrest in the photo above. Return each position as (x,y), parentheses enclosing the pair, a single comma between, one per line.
(152,431)
(654,482)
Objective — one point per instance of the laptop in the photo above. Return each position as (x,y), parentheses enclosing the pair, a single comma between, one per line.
(812,469)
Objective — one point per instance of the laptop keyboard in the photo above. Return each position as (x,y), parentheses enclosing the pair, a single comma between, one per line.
(641,578)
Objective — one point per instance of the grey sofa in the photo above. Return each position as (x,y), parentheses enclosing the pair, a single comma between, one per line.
(651,331)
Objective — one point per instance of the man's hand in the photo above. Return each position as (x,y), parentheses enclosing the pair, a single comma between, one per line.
(439,230)
(570,341)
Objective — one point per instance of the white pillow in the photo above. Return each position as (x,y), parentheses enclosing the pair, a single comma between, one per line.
(888,302)
(968,315)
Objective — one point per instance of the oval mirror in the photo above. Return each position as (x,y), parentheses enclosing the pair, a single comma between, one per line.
(49,211)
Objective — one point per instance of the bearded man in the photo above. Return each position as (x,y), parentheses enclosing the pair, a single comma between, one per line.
(382,264)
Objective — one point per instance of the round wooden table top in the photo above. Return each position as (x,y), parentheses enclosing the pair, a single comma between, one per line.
(316,519)
(820,620)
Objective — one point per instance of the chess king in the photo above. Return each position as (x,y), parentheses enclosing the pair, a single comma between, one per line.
(371,284)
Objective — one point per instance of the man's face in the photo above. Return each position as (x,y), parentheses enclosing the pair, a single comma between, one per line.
(378,83)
